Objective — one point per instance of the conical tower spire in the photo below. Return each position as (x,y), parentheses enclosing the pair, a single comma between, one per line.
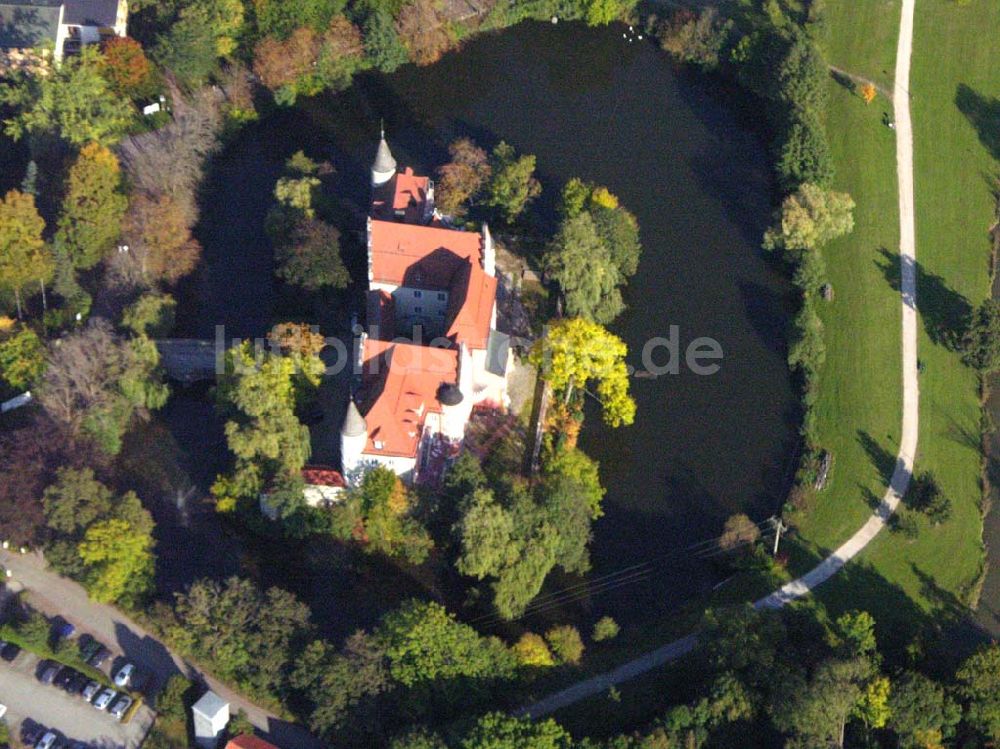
(354,423)
(384,167)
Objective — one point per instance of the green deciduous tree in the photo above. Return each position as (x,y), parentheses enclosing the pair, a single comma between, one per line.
(603,12)
(424,643)
(247,635)
(982,340)
(809,218)
(577,351)
(922,712)
(75,501)
(804,154)
(382,44)
(498,731)
(119,560)
(580,262)
(257,394)
(24,256)
(512,184)
(189,48)
(979,686)
(151,315)
(310,257)
(566,643)
(93,208)
(73,101)
(22,359)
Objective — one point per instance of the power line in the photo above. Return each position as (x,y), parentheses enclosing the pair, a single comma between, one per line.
(706,549)
(696,549)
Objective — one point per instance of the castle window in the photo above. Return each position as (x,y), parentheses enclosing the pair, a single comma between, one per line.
(418,310)
(441,296)
(417,294)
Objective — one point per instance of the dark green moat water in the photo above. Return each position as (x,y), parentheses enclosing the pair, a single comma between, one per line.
(590,104)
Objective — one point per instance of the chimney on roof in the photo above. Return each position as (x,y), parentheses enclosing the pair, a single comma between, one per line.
(489,253)
(384,168)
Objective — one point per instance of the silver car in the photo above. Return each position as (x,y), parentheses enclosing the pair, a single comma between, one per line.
(119,709)
(46,741)
(104,698)
(90,690)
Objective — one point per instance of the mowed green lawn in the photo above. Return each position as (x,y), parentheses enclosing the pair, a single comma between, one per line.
(859,409)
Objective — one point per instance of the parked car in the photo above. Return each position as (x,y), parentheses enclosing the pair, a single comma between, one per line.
(62,629)
(90,690)
(87,646)
(77,683)
(3,711)
(102,700)
(8,651)
(64,677)
(49,673)
(121,706)
(124,675)
(100,657)
(47,740)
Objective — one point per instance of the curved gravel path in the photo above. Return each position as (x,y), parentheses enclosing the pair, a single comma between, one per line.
(911,396)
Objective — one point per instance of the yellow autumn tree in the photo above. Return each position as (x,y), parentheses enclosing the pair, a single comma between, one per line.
(532,650)
(577,352)
(868,93)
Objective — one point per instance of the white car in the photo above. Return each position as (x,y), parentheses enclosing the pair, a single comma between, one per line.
(104,699)
(46,741)
(3,710)
(90,690)
(124,675)
(118,709)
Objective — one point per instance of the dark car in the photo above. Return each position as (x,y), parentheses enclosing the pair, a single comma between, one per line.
(76,684)
(48,672)
(64,677)
(87,646)
(100,657)
(9,651)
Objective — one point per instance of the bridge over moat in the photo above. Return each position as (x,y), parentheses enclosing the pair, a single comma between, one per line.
(190,360)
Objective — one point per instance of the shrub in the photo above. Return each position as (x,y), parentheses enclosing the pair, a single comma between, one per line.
(606,628)
(566,643)
(697,39)
(531,650)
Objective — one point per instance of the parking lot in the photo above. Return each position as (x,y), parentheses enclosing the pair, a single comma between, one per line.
(31,703)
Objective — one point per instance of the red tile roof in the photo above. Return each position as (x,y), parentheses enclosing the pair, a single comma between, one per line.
(426,257)
(249,742)
(431,257)
(323,476)
(402,384)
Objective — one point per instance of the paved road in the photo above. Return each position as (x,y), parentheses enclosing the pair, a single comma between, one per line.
(28,699)
(911,396)
(53,595)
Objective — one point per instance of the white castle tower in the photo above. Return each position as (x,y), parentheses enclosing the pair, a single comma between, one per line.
(384,168)
(489,253)
(353,437)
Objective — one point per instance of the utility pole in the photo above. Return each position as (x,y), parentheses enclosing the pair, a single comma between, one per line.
(779,527)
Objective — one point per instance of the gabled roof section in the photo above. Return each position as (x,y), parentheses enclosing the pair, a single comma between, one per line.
(425,257)
(28,23)
(246,741)
(402,385)
(470,306)
(323,476)
(91,12)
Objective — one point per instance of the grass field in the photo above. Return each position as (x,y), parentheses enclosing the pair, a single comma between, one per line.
(954,84)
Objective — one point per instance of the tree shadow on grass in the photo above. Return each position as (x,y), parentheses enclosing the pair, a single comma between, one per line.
(983,113)
(945,311)
(883,460)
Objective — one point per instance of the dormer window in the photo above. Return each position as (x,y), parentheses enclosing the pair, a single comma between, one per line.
(379,444)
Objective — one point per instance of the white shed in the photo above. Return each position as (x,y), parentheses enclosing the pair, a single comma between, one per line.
(211,715)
